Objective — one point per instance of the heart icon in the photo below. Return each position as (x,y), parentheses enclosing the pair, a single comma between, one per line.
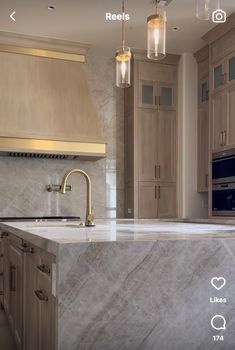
(218,282)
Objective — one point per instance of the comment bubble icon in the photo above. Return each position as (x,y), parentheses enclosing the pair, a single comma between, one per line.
(218,322)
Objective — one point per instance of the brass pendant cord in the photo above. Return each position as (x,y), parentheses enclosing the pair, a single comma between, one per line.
(123,24)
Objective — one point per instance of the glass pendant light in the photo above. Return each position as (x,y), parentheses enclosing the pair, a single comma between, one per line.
(157,34)
(203,9)
(123,60)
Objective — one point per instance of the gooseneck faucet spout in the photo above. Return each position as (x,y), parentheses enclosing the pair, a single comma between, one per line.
(89,215)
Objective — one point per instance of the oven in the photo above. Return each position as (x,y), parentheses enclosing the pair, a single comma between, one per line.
(223,183)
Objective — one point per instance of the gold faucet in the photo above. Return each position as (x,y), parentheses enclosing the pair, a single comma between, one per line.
(89,215)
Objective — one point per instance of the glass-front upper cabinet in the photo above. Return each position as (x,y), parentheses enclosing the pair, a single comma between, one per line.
(218,77)
(147,95)
(231,68)
(167,98)
(204,90)
(157,95)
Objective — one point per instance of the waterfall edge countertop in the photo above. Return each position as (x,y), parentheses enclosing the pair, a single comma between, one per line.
(50,235)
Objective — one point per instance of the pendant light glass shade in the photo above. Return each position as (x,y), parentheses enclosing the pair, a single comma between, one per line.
(203,9)
(157,35)
(123,59)
(123,67)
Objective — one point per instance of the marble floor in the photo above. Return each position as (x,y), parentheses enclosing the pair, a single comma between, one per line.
(6,340)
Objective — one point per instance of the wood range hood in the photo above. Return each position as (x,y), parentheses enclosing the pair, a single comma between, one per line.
(46,109)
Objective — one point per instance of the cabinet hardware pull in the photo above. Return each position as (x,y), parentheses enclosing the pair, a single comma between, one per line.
(45,269)
(155,192)
(12,278)
(155,171)
(159,192)
(41,295)
(221,138)
(159,171)
(25,249)
(225,137)
(159,100)
(4,234)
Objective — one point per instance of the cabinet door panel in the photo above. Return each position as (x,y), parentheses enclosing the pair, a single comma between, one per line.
(203,91)
(30,302)
(46,313)
(203,148)
(147,200)
(167,98)
(218,76)
(147,94)
(166,201)
(231,68)
(6,269)
(16,293)
(219,119)
(166,145)
(231,116)
(147,134)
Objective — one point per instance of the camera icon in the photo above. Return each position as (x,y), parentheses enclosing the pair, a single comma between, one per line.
(219,16)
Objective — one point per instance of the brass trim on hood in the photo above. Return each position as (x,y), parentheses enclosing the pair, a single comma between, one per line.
(43,53)
(12,144)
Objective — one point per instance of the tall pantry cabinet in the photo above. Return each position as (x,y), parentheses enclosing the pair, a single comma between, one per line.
(150,138)
(202,57)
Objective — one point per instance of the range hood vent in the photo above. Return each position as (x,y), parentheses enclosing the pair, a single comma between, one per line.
(38,155)
(46,108)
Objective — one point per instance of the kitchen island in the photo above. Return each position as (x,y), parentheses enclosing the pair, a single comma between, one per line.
(137,284)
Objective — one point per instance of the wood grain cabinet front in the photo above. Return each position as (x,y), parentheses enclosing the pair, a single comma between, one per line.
(29,294)
(150,136)
(157,200)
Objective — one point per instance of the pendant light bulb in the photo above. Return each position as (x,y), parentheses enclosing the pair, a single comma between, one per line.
(123,60)
(157,35)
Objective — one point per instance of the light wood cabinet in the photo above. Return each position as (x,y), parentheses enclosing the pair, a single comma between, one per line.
(157,200)
(16,292)
(29,294)
(147,136)
(166,146)
(219,120)
(150,151)
(1,270)
(203,148)
(202,57)
(147,202)
(230,139)
(166,204)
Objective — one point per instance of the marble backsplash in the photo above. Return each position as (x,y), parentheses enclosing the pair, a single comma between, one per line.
(23,181)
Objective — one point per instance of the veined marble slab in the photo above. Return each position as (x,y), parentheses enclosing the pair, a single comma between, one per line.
(139,284)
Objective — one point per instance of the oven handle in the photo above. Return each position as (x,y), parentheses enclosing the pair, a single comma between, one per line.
(223,187)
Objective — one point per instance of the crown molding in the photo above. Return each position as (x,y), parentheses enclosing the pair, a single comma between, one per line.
(220,30)
(202,54)
(34,42)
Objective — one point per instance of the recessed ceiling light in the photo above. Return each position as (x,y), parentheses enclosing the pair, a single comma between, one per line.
(51,7)
(175,29)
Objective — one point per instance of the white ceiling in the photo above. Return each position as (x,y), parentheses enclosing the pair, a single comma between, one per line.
(84,21)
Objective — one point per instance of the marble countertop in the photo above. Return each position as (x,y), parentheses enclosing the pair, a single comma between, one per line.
(52,234)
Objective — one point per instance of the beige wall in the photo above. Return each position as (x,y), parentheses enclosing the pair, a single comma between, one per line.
(191,203)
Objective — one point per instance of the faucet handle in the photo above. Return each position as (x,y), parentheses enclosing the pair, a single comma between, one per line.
(90,218)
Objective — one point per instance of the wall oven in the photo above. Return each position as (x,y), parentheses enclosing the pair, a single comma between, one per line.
(223,183)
